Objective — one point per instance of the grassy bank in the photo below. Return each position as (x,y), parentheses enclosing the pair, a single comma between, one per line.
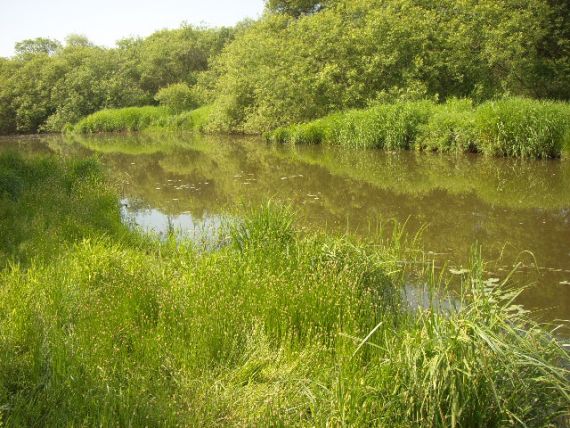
(510,127)
(46,203)
(276,327)
(143,119)
(514,127)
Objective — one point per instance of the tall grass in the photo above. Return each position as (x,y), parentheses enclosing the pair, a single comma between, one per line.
(143,119)
(510,127)
(524,128)
(194,120)
(124,119)
(45,202)
(276,327)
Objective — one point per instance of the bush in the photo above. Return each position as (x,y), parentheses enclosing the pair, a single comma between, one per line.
(177,97)
(285,70)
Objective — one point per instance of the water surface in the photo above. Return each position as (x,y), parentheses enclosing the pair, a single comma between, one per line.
(510,207)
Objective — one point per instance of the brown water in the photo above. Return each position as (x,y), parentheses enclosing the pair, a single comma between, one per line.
(507,206)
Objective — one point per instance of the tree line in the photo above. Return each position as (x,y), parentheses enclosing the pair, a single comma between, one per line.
(301,60)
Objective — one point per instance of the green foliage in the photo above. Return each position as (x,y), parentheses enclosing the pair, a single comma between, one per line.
(45,203)
(513,127)
(354,52)
(172,56)
(38,45)
(144,119)
(451,128)
(195,120)
(118,120)
(311,58)
(523,128)
(295,7)
(110,333)
(47,86)
(177,97)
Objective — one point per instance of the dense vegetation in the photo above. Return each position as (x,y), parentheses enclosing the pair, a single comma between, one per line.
(275,327)
(509,127)
(147,118)
(47,85)
(290,68)
(45,203)
(302,60)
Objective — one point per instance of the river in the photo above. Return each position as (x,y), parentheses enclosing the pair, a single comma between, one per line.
(517,211)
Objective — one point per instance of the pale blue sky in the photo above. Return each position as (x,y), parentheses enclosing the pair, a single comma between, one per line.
(106,21)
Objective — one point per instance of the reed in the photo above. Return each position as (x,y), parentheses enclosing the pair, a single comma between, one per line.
(523,128)
(514,127)
(143,119)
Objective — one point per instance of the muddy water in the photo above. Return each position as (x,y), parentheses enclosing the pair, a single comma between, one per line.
(518,211)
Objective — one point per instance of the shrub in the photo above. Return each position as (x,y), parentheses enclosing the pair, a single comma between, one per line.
(177,97)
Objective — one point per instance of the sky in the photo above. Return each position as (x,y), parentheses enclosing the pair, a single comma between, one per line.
(106,21)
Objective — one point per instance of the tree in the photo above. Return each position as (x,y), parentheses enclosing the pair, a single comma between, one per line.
(37,45)
(77,40)
(353,52)
(295,7)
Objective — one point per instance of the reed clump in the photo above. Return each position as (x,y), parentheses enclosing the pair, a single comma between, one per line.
(147,118)
(515,127)
(523,128)
(274,327)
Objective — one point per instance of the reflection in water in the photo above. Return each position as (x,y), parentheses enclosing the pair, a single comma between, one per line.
(508,206)
(204,231)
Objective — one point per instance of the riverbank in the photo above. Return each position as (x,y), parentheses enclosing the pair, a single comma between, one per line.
(512,127)
(275,325)
(148,119)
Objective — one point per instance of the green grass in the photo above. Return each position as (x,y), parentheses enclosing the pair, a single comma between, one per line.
(276,327)
(195,120)
(45,203)
(524,128)
(143,119)
(514,127)
(120,120)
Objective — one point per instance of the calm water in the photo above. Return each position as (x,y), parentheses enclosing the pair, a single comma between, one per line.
(508,206)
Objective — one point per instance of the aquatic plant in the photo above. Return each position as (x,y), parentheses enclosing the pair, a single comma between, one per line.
(450,128)
(514,127)
(523,128)
(118,120)
(194,120)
